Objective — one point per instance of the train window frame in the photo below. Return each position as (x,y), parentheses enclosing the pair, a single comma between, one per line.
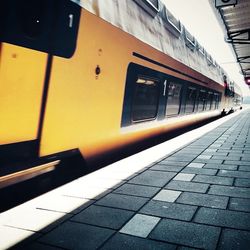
(201,49)
(180,95)
(145,83)
(190,40)
(171,23)
(133,71)
(209,59)
(152,7)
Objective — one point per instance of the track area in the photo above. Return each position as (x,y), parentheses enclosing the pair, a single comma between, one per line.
(194,186)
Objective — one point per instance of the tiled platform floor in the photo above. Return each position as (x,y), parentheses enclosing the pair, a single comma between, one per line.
(196,197)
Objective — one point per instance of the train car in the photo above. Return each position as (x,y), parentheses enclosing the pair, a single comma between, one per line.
(93,77)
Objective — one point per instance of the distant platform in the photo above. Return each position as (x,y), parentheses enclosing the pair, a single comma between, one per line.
(191,191)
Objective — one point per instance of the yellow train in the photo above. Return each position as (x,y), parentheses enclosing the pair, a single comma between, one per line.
(96,76)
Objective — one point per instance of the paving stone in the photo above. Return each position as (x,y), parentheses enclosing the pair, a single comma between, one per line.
(221,166)
(244,168)
(133,203)
(195,165)
(102,181)
(137,190)
(205,200)
(192,146)
(210,161)
(235,151)
(234,240)
(226,158)
(60,203)
(247,163)
(127,242)
(189,234)
(32,219)
(199,171)
(210,150)
(238,192)
(9,236)
(238,174)
(231,154)
(202,144)
(216,145)
(140,225)
(213,179)
(245,158)
(153,178)
(189,150)
(186,159)
(169,210)
(183,177)
(242,182)
(167,195)
(221,153)
(76,190)
(174,163)
(183,155)
(227,151)
(103,216)
(204,157)
(239,204)
(70,236)
(223,218)
(187,186)
(167,168)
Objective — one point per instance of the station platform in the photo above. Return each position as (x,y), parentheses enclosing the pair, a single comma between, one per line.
(191,192)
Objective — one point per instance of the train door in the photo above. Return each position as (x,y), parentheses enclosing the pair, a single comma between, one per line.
(31,32)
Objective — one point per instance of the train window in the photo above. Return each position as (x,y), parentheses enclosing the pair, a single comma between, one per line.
(154,3)
(190,100)
(150,6)
(202,100)
(171,23)
(145,101)
(217,99)
(31,17)
(49,26)
(173,101)
(210,99)
(189,40)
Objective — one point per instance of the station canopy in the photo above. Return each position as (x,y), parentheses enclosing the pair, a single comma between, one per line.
(234,16)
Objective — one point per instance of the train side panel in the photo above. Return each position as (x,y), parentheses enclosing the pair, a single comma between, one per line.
(86,92)
(84,107)
(22,73)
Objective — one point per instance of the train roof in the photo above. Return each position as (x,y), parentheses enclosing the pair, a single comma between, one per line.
(151,22)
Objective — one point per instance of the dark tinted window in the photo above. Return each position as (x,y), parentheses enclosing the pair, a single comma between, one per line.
(50,26)
(210,100)
(190,100)
(216,102)
(31,16)
(202,100)
(173,101)
(145,101)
